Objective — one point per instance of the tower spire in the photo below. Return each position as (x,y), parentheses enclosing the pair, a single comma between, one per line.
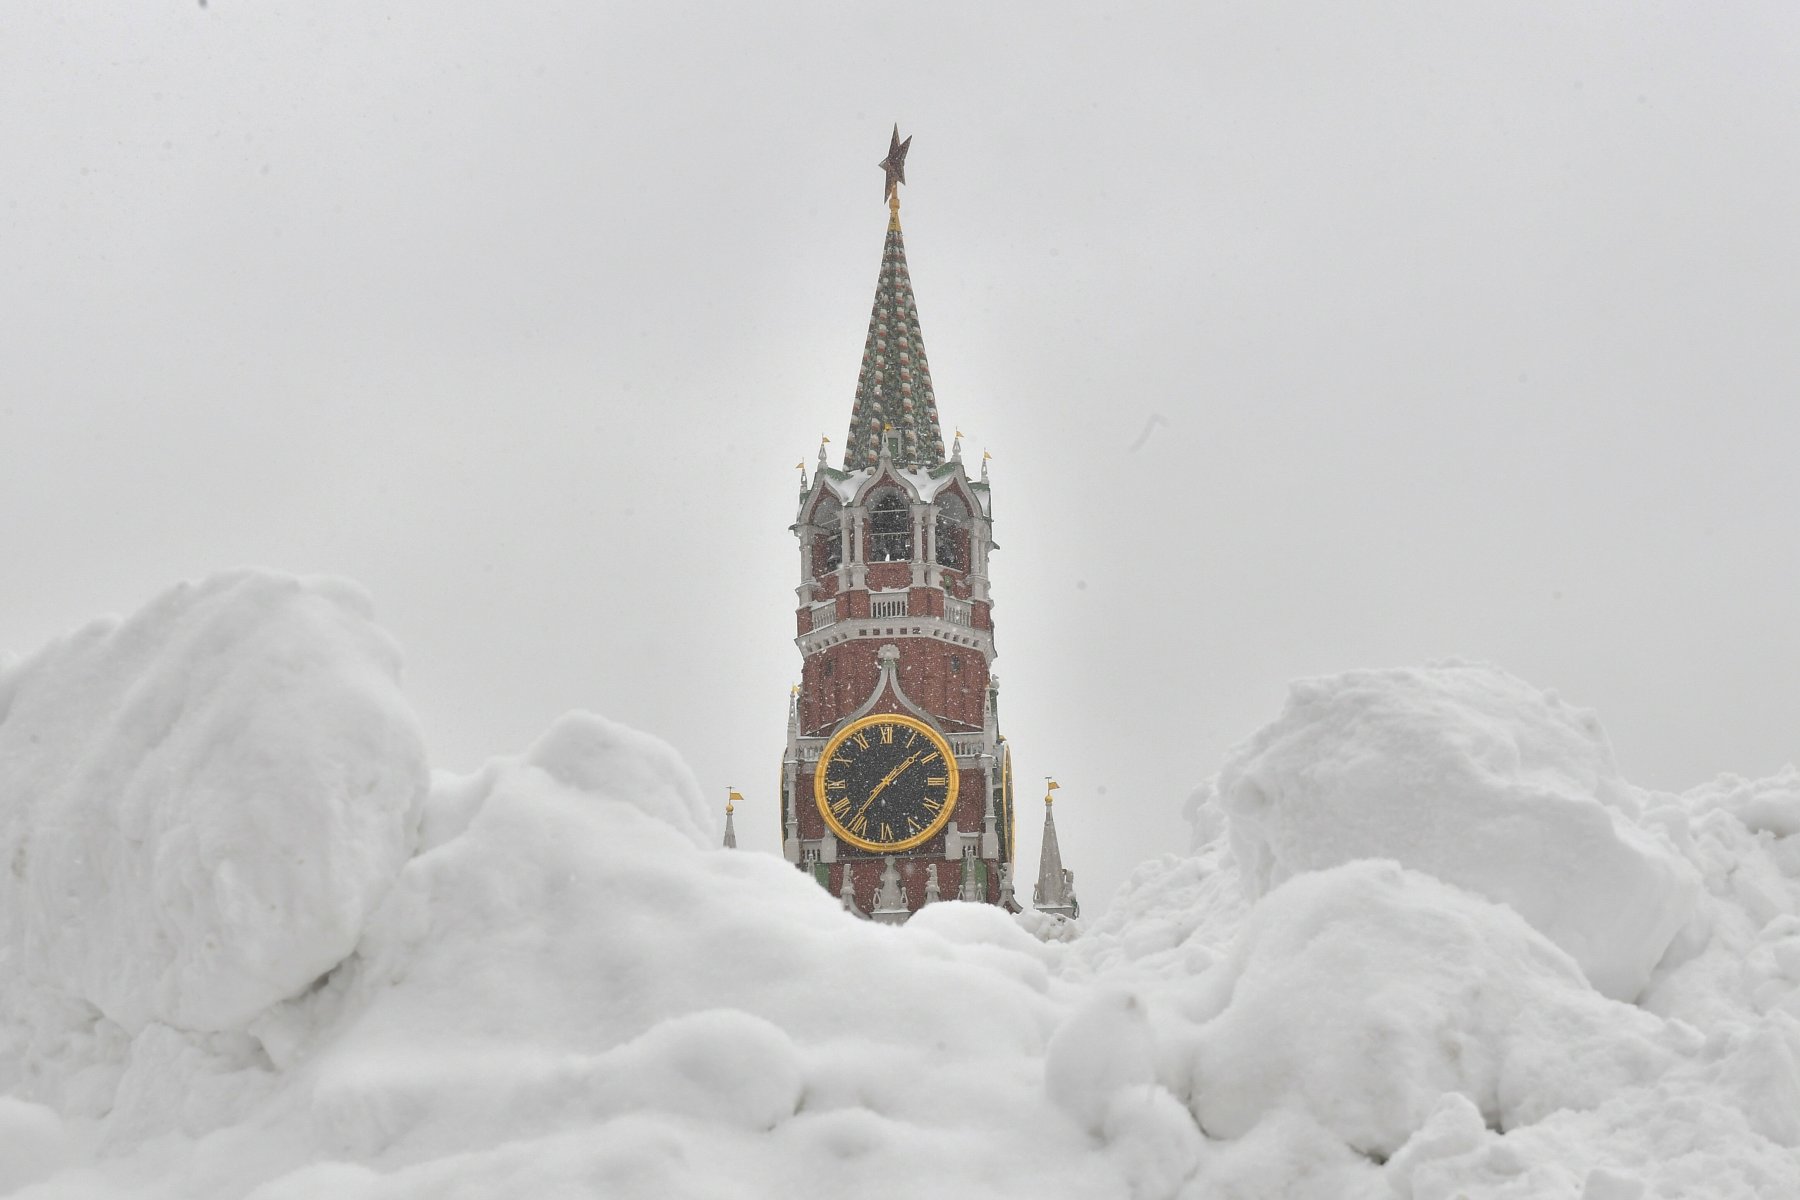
(893,385)
(1055,891)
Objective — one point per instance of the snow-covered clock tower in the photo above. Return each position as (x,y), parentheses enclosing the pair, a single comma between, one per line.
(897,784)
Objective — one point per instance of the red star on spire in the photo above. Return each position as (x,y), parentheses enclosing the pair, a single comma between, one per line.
(894,164)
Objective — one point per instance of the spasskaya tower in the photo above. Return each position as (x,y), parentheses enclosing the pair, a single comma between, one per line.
(896,787)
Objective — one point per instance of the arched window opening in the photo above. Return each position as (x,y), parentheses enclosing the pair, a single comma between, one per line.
(890,529)
(952,534)
(828,540)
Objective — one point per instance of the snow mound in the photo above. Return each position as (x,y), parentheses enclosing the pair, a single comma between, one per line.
(563,960)
(200,805)
(619,765)
(1770,806)
(1740,961)
(230,967)
(1471,775)
(1365,993)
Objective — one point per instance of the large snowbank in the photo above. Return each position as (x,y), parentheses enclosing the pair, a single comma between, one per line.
(1479,779)
(199,807)
(1449,993)
(560,987)
(570,961)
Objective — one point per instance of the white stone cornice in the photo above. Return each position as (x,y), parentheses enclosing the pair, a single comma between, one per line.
(934,628)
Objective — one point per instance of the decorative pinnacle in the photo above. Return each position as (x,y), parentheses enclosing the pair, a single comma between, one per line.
(1050,785)
(731,799)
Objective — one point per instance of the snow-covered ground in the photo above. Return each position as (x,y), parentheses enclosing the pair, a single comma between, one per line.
(1427,944)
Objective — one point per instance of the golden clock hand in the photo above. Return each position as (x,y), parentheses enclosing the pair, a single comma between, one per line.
(873,792)
(897,772)
(885,780)
(891,776)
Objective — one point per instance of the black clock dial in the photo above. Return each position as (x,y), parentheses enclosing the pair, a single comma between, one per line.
(886,782)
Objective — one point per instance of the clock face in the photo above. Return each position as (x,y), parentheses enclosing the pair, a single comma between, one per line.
(886,782)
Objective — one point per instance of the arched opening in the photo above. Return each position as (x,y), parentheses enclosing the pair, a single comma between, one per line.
(827,539)
(952,534)
(890,528)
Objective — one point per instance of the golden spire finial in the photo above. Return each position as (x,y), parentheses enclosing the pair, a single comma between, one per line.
(1050,785)
(731,799)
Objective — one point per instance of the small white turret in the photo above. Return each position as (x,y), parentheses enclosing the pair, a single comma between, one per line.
(1055,891)
(890,900)
(847,893)
(972,889)
(731,799)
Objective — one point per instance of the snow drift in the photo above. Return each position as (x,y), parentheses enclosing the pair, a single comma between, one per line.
(569,960)
(1470,775)
(1370,963)
(1367,980)
(201,805)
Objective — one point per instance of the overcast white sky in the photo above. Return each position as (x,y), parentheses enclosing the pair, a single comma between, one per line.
(1304,337)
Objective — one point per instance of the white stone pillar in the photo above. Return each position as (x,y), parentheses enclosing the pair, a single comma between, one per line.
(921,522)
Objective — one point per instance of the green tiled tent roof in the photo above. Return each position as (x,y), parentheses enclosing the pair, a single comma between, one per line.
(894,386)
